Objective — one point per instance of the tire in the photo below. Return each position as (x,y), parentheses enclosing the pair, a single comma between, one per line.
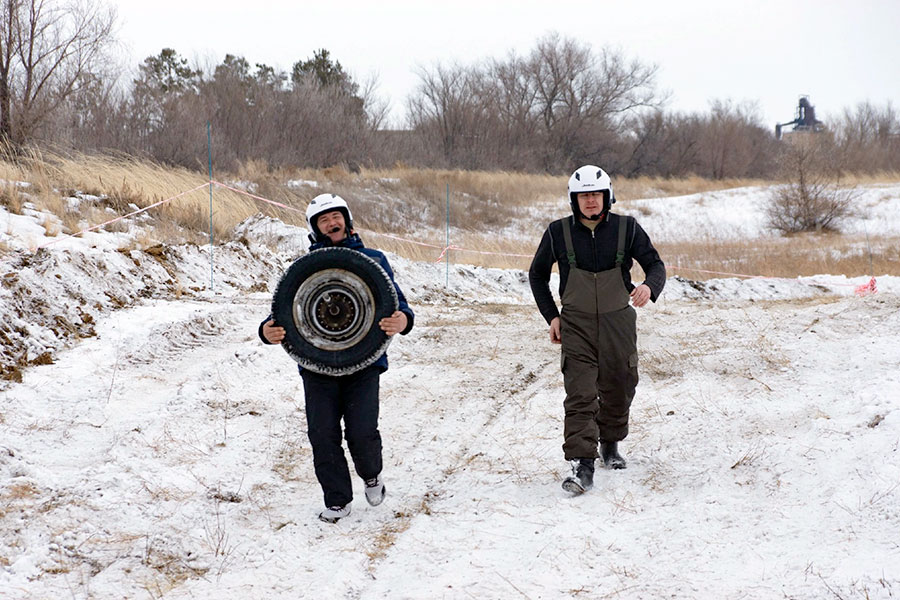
(329,303)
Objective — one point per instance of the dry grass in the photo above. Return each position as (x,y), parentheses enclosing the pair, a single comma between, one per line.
(378,547)
(473,249)
(20,491)
(790,257)
(659,187)
(290,461)
(52,227)
(794,256)
(11,171)
(410,200)
(508,189)
(11,197)
(871,178)
(124,183)
(409,203)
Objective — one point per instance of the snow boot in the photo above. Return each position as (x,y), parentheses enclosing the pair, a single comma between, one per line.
(375,490)
(582,477)
(333,514)
(611,457)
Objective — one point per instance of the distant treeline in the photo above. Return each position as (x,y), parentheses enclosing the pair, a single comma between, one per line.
(561,105)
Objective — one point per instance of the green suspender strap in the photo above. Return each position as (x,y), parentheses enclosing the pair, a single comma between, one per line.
(620,253)
(567,235)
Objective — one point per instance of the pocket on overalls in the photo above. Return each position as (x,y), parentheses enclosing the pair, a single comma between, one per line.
(633,370)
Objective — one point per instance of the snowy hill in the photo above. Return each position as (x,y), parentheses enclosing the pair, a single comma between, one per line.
(151,447)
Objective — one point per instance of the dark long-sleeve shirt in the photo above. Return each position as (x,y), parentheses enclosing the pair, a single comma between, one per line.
(595,251)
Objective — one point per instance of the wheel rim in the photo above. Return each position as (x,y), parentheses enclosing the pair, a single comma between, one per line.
(334,309)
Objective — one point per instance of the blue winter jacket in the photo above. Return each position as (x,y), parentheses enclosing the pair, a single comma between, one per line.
(353,242)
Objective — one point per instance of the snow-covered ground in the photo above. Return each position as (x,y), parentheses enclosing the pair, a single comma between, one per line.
(733,214)
(739,214)
(161,452)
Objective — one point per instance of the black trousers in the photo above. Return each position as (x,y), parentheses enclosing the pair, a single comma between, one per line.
(353,398)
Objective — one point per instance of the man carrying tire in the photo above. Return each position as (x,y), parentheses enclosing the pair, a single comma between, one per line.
(595,250)
(352,397)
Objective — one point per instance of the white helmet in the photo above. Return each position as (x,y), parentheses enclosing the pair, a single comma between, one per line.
(324,203)
(590,179)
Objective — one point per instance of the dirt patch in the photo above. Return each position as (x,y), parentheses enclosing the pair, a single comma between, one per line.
(44,358)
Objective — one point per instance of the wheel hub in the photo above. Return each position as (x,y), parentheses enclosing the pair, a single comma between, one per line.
(334,309)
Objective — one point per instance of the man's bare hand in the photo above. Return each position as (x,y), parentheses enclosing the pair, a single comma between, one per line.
(394,324)
(640,295)
(272,332)
(554,331)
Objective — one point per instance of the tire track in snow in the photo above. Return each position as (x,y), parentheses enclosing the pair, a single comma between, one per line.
(169,341)
(106,401)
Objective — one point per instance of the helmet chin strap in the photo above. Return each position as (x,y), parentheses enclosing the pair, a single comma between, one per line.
(322,236)
(596,217)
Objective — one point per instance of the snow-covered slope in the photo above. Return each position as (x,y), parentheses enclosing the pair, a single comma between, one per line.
(162,453)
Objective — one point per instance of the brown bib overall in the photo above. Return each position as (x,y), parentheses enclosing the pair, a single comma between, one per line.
(599,353)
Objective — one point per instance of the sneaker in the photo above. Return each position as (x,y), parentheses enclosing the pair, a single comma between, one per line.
(375,490)
(333,514)
(611,457)
(582,477)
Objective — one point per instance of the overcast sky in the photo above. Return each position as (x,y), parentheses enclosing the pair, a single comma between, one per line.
(838,52)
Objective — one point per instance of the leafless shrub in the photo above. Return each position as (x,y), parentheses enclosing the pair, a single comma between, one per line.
(809,207)
(750,456)
(217,541)
(812,199)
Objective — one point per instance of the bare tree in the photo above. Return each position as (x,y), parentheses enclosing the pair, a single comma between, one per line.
(509,97)
(444,109)
(650,145)
(682,154)
(9,33)
(561,104)
(90,118)
(868,137)
(376,107)
(582,97)
(733,142)
(49,50)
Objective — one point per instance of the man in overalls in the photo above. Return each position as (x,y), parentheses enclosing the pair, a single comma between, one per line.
(595,250)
